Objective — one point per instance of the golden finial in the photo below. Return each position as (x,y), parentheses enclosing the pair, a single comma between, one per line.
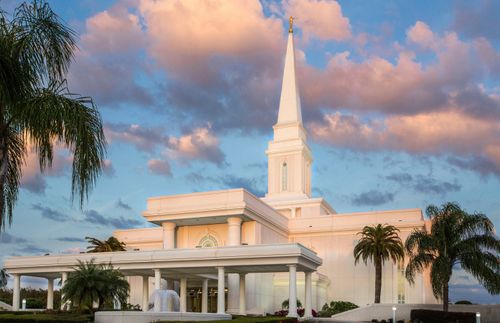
(290,20)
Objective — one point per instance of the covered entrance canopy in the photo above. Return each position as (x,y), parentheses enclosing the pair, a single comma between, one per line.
(180,263)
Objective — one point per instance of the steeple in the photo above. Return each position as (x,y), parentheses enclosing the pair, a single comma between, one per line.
(289,157)
(289,109)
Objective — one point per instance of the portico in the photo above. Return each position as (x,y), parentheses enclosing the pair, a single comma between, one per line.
(184,265)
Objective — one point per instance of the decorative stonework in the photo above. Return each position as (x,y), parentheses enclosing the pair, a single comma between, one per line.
(208,241)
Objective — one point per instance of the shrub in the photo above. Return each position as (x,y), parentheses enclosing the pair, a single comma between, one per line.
(463,302)
(430,316)
(286,304)
(34,303)
(336,307)
(300,312)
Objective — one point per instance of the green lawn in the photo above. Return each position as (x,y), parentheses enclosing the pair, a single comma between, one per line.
(31,317)
(248,319)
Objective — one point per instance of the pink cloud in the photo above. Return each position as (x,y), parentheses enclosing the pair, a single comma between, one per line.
(205,30)
(113,31)
(405,86)
(421,34)
(32,178)
(200,144)
(318,18)
(145,139)
(432,133)
(159,167)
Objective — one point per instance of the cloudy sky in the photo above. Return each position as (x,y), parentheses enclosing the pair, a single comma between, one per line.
(401,100)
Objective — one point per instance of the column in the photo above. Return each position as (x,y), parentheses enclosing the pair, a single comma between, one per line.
(242,307)
(145,293)
(233,239)
(157,305)
(50,293)
(234,231)
(168,235)
(16,295)
(292,291)
(64,277)
(204,296)
(220,291)
(183,296)
(308,294)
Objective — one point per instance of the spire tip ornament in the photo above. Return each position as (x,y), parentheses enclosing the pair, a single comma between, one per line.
(290,20)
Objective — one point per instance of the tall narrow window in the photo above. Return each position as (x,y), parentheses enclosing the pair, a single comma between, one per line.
(284,177)
(401,282)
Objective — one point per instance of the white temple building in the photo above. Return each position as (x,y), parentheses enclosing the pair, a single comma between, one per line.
(229,251)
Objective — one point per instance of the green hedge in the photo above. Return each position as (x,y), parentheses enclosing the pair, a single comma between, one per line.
(430,316)
(248,319)
(336,307)
(23,317)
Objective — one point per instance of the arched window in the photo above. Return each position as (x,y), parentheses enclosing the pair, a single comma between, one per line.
(284,177)
(208,241)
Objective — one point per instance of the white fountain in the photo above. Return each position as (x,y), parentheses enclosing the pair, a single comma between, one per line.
(164,300)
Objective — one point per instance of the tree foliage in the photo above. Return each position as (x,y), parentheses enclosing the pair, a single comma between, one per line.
(3,277)
(91,282)
(378,244)
(109,245)
(456,238)
(37,110)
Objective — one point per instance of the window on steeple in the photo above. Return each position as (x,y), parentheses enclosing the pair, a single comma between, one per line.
(284,177)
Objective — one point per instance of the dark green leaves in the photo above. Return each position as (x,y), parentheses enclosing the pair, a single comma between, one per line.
(36,108)
(456,238)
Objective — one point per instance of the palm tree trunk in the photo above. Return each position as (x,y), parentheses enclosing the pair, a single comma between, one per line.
(3,173)
(445,297)
(378,280)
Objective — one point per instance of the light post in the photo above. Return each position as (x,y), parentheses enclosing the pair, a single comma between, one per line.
(478,317)
(394,314)
(24,304)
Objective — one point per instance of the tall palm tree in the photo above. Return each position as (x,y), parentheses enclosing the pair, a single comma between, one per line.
(456,238)
(112,244)
(378,244)
(3,277)
(37,109)
(91,282)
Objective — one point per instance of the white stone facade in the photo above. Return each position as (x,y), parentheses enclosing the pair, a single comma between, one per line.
(287,213)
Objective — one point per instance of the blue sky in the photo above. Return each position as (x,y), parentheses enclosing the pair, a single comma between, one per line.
(401,100)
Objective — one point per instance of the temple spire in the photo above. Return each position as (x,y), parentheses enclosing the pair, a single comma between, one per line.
(290,109)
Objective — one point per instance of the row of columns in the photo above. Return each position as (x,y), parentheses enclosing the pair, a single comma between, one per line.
(183,292)
(204,296)
(16,297)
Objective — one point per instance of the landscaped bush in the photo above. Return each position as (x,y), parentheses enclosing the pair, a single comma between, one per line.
(300,312)
(463,302)
(35,303)
(336,307)
(429,316)
(285,304)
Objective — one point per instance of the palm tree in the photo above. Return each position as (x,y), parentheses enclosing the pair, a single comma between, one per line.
(36,108)
(112,244)
(455,238)
(91,282)
(3,277)
(379,243)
